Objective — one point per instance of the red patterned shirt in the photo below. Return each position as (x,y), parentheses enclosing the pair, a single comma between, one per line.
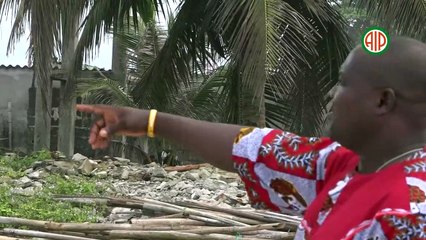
(316,178)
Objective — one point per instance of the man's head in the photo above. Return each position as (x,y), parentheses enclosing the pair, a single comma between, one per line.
(380,95)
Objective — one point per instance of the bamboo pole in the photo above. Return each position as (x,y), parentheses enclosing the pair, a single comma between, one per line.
(244,220)
(227,237)
(258,215)
(184,220)
(208,221)
(22,222)
(166,221)
(236,237)
(9,238)
(235,230)
(190,211)
(170,235)
(156,206)
(138,224)
(185,167)
(32,233)
(176,215)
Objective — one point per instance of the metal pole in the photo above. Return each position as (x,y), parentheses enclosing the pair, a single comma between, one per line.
(9,115)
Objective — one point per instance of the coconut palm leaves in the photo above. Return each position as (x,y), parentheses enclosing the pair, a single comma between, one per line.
(273,51)
(104,14)
(400,17)
(141,49)
(104,91)
(185,51)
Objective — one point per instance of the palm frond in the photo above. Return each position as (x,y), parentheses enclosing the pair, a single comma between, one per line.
(18,28)
(261,34)
(104,91)
(206,102)
(204,96)
(9,7)
(401,17)
(302,108)
(185,52)
(103,15)
(142,48)
(44,37)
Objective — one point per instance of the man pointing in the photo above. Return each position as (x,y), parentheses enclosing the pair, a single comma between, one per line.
(367,181)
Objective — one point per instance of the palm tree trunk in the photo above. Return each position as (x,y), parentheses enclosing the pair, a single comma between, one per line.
(262,113)
(42,118)
(67,114)
(66,131)
(118,66)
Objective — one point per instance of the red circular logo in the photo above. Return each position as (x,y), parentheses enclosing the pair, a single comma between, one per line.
(375,41)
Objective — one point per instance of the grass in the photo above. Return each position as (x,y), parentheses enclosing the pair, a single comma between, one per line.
(41,205)
(22,163)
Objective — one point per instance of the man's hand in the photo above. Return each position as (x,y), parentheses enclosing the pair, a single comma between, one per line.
(212,141)
(114,120)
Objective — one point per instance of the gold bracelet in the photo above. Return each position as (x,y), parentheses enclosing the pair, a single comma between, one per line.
(151,123)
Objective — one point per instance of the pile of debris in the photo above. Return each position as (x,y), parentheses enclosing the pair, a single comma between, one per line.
(122,177)
(153,202)
(160,220)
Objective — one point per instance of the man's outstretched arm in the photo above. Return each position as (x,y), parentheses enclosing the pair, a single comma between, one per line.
(280,170)
(211,141)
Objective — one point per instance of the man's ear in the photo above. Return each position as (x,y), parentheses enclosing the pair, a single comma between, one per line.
(386,101)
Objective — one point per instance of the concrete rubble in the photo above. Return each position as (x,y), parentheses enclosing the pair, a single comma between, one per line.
(123,178)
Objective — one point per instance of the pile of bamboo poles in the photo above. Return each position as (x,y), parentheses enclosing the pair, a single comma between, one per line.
(184,220)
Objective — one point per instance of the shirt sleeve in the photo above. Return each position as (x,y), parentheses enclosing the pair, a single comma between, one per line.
(391,224)
(283,171)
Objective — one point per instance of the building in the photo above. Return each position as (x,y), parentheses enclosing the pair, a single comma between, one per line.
(17,108)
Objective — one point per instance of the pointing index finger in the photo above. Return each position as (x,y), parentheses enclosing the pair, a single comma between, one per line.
(88,109)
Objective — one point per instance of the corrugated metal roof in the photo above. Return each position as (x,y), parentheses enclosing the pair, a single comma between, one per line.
(55,67)
(14,67)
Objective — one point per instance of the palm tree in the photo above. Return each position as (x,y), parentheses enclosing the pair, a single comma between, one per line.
(43,18)
(103,15)
(279,58)
(140,49)
(291,51)
(398,17)
(48,20)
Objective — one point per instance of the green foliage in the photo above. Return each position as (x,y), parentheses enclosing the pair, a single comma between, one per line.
(406,18)
(259,62)
(42,206)
(73,186)
(20,164)
(357,19)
